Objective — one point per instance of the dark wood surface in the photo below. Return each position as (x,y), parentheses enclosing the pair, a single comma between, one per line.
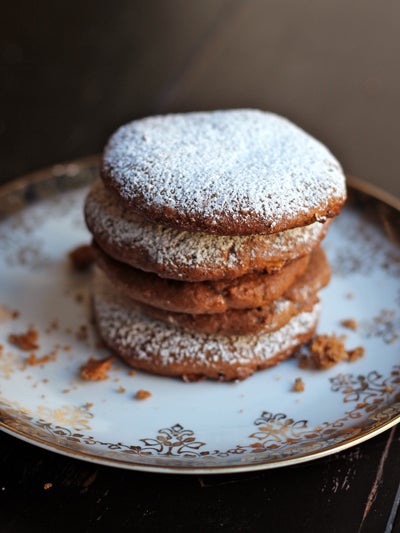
(348,492)
(72,72)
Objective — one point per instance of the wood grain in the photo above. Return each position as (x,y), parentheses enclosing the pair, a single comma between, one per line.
(327,495)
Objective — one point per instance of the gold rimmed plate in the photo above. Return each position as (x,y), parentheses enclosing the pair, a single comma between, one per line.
(203,427)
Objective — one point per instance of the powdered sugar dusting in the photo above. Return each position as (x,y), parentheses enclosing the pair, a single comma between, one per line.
(243,166)
(173,250)
(122,324)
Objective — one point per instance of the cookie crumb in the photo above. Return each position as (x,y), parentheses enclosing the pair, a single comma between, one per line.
(96,369)
(298,385)
(325,351)
(132,372)
(89,405)
(121,389)
(25,341)
(33,360)
(82,333)
(350,323)
(47,486)
(355,354)
(81,257)
(8,314)
(52,326)
(142,394)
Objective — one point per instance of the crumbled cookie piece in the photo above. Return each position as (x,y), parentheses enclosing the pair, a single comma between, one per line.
(82,332)
(355,354)
(350,323)
(82,257)
(8,314)
(142,394)
(325,351)
(25,341)
(96,369)
(33,360)
(53,326)
(47,486)
(298,385)
(121,389)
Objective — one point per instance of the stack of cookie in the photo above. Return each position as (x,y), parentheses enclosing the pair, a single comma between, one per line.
(206,228)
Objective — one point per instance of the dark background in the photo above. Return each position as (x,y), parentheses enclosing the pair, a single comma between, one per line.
(70,73)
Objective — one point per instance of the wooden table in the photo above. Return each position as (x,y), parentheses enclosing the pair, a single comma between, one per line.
(357,490)
(71,73)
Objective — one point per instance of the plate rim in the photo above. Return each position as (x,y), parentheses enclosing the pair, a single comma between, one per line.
(52,171)
(198,470)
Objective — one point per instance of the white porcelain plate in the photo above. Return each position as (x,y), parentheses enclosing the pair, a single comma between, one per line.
(200,427)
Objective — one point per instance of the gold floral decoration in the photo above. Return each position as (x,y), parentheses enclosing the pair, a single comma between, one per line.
(372,399)
(66,415)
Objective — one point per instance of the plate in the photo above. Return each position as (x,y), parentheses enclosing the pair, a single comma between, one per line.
(203,427)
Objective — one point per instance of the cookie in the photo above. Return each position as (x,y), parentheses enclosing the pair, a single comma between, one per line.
(190,256)
(165,349)
(266,319)
(232,172)
(202,297)
(206,230)
(302,296)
